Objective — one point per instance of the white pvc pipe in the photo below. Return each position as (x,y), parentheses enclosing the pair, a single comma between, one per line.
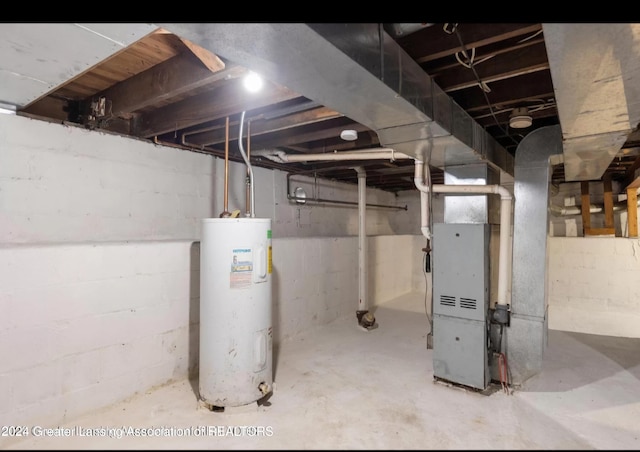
(362,238)
(424,214)
(383,153)
(505,220)
(363,154)
(577,210)
(418,180)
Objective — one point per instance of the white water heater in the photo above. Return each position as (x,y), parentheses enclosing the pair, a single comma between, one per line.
(236,335)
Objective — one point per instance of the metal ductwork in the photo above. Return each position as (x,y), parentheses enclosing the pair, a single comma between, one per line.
(400,30)
(535,157)
(359,70)
(596,74)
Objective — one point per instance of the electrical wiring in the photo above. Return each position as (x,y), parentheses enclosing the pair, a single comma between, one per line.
(471,62)
(502,365)
(530,37)
(428,245)
(426,291)
(543,106)
(482,84)
(453,29)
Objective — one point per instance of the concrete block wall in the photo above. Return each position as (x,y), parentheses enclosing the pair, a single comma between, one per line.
(68,184)
(99,259)
(99,267)
(594,286)
(84,325)
(315,280)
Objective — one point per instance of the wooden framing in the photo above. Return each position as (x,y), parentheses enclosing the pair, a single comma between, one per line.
(632,211)
(609,227)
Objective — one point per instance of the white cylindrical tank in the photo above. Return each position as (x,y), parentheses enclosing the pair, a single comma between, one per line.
(236,335)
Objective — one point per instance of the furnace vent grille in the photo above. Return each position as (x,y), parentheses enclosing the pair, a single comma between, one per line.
(468,303)
(447,300)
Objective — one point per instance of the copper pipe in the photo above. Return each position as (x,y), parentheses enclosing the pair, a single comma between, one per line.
(248,195)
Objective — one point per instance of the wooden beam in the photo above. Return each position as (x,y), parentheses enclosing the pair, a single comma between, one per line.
(50,107)
(608,202)
(162,82)
(214,136)
(630,179)
(635,183)
(432,43)
(632,212)
(609,227)
(211,61)
(500,67)
(601,231)
(208,106)
(529,86)
(585,202)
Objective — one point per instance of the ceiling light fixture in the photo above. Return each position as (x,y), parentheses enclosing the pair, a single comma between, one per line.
(253,82)
(349,135)
(520,118)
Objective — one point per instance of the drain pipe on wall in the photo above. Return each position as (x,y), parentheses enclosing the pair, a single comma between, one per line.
(501,314)
(365,318)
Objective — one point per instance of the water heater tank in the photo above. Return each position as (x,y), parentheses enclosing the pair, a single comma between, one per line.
(236,335)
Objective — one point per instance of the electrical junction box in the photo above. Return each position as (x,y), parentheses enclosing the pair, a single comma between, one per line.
(461,303)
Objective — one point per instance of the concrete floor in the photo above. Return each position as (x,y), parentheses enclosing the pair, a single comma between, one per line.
(339,387)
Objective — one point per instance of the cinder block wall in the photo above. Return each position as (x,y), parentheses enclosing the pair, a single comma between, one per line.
(99,252)
(593,281)
(86,324)
(594,285)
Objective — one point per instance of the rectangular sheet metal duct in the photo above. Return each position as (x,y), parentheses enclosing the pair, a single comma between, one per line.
(360,71)
(596,76)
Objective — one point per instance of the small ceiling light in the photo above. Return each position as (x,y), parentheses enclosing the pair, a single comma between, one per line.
(253,82)
(520,118)
(349,135)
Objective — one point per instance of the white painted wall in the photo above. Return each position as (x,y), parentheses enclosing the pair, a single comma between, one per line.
(99,261)
(316,279)
(84,325)
(594,285)
(593,281)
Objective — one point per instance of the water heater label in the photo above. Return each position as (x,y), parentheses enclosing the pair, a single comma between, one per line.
(269,261)
(241,268)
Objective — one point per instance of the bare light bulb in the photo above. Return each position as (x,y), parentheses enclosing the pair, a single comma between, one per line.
(253,82)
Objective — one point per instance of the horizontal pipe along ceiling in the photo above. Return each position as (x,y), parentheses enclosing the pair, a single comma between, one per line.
(360,71)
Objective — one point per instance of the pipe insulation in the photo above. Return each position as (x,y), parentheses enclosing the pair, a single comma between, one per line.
(505,220)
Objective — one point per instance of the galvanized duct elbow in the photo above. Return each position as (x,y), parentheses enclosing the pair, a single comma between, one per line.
(529,302)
